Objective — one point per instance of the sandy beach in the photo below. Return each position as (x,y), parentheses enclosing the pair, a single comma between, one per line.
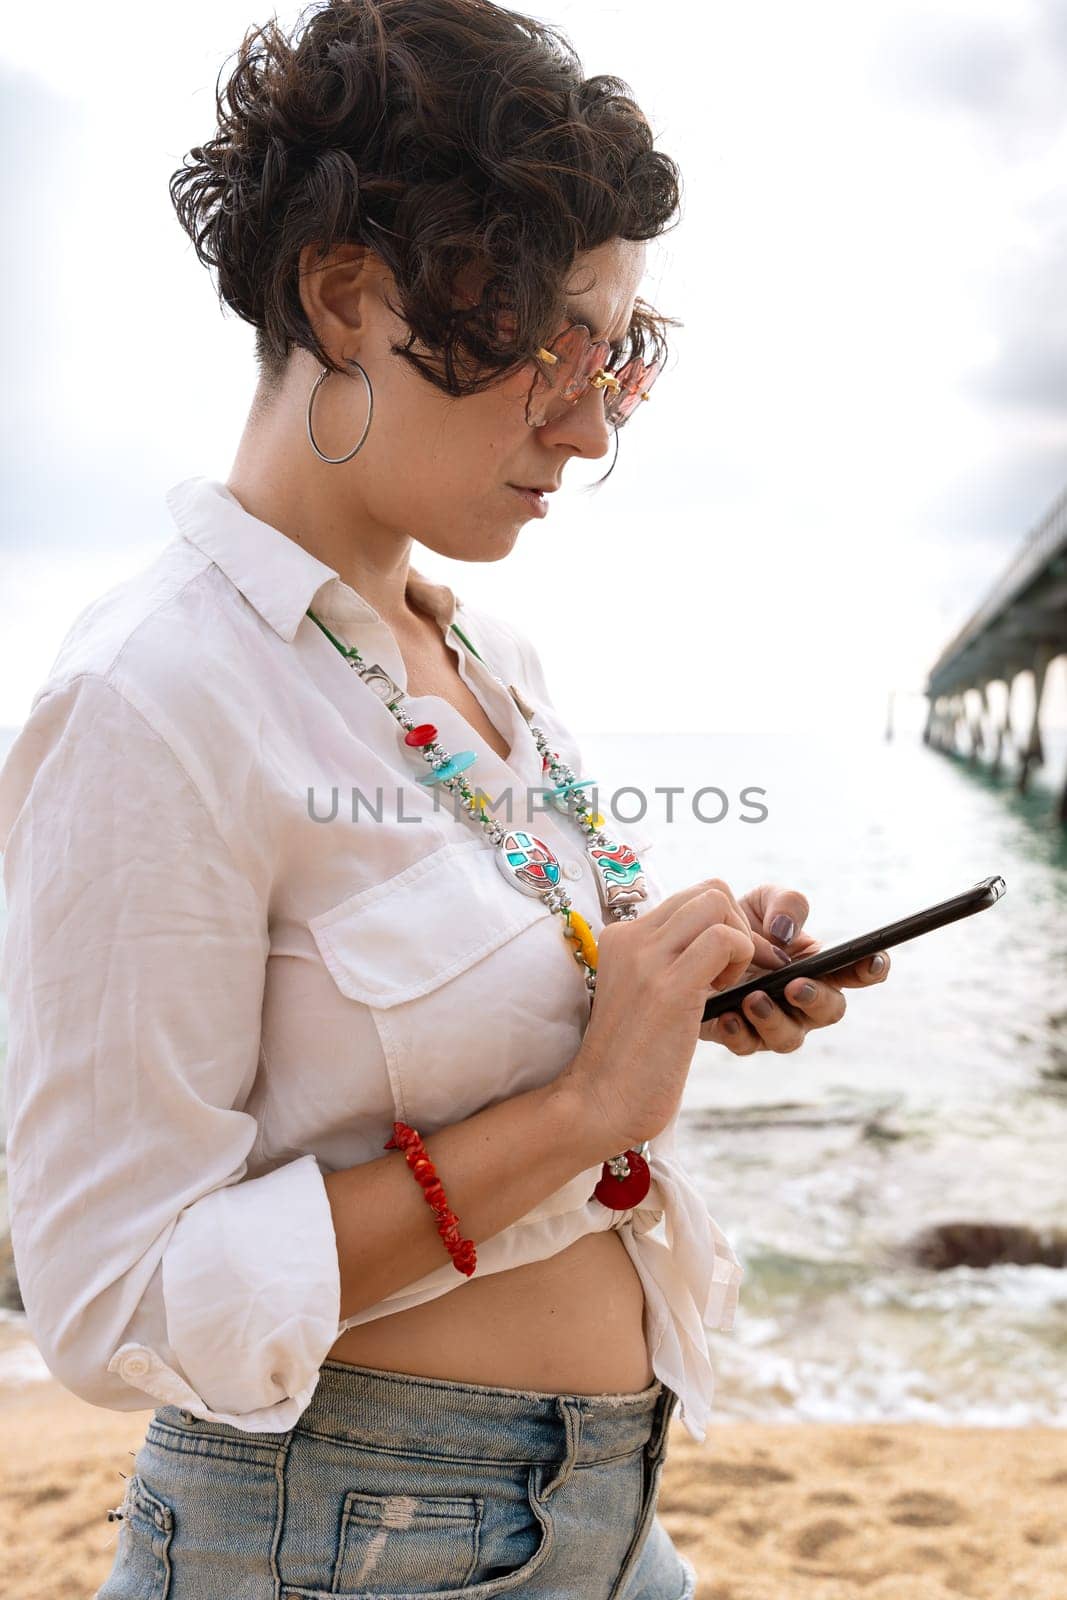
(886,1511)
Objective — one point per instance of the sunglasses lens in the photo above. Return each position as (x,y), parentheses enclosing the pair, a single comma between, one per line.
(635,379)
(577,358)
(563,384)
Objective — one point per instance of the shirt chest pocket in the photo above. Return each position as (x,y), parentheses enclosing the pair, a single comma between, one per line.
(474,991)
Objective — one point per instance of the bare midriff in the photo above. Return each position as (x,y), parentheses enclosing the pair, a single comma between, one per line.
(571,1324)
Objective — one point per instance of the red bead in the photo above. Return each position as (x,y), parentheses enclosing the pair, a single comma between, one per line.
(425,733)
(409,1140)
(622,1193)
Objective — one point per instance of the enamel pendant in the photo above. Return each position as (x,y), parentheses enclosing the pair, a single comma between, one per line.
(527,862)
(618,874)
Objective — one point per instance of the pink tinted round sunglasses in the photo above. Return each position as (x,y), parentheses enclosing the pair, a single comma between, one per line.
(574,365)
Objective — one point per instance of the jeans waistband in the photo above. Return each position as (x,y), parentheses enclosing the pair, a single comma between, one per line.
(405,1412)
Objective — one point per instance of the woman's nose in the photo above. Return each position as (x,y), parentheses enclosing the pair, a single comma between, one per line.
(584,425)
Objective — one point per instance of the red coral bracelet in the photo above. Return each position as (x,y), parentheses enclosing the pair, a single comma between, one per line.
(464,1256)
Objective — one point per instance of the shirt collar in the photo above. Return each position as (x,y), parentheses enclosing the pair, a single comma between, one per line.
(275,574)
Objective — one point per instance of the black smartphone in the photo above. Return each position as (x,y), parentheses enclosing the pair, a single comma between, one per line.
(985,893)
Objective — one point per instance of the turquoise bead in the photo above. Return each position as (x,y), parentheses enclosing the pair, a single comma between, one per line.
(560,797)
(458,763)
(564,788)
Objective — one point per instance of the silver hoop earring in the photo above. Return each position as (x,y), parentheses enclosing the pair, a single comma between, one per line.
(334,461)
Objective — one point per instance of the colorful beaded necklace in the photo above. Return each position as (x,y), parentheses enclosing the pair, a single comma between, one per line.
(529,864)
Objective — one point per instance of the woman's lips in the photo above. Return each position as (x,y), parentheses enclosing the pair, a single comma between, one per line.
(533,498)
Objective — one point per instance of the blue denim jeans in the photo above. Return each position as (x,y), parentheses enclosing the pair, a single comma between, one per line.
(391,1487)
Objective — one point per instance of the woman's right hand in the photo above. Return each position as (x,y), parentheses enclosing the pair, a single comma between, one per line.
(654,974)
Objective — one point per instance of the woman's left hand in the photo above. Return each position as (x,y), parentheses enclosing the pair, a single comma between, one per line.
(769,909)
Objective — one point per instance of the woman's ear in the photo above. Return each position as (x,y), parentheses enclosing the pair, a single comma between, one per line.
(337,291)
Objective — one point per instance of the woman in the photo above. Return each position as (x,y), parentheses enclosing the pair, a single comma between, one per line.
(265,935)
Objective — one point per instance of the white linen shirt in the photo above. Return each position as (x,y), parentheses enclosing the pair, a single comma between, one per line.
(217,995)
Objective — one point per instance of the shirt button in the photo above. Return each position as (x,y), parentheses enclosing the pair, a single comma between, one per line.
(134,1366)
(572,869)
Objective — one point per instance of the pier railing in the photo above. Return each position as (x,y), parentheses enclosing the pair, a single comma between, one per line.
(1021,625)
(1043,545)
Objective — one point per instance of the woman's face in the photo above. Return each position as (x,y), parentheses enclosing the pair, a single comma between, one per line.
(437,468)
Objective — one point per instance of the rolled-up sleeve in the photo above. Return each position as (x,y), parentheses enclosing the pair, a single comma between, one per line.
(151,1268)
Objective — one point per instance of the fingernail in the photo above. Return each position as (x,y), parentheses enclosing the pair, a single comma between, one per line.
(782,957)
(731,1025)
(806,992)
(782,927)
(762,1006)
(877,963)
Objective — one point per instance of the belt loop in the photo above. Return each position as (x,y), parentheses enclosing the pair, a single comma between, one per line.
(572,1430)
(665,1404)
(656,1443)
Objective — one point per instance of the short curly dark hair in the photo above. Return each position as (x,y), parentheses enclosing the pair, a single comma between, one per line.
(444,134)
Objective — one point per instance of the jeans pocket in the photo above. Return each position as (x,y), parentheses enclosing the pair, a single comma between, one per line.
(142,1569)
(486,1538)
(406,1543)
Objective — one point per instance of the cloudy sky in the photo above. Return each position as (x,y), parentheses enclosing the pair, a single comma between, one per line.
(864,413)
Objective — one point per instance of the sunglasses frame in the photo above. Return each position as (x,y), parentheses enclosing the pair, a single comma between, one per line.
(601,378)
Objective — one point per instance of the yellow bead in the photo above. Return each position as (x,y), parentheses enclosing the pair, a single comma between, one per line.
(577,928)
(598,820)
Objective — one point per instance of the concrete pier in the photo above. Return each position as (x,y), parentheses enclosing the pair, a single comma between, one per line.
(1021,626)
